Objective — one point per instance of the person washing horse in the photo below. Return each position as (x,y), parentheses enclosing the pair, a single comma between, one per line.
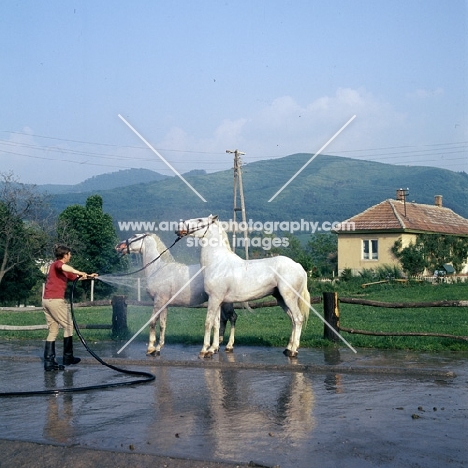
(56,309)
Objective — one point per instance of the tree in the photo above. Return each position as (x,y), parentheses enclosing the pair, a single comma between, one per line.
(432,251)
(23,239)
(296,251)
(22,285)
(91,234)
(441,249)
(323,250)
(411,257)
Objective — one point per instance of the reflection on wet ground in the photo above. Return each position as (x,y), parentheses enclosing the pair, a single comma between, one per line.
(328,408)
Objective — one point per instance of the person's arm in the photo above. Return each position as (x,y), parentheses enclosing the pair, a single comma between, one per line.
(70,269)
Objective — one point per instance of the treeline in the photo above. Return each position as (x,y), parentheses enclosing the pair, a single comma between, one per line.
(29,231)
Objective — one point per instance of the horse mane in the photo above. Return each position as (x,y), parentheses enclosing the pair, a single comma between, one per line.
(166,256)
(225,236)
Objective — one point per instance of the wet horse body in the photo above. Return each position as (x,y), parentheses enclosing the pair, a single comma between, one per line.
(167,281)
(229,278)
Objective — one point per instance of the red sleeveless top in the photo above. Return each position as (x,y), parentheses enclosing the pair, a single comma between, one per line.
(57,279)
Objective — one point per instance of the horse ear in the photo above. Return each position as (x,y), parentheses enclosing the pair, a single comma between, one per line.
(214,217)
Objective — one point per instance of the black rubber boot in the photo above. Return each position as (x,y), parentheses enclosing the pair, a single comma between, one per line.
(68,357)
(50,364)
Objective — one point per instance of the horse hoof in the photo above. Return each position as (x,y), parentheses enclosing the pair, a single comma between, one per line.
(229,350)
(289,353)
(151,353)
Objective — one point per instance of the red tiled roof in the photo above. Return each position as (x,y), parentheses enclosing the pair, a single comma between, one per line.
(390,215)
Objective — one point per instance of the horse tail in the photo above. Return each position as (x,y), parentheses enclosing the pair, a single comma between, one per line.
(304,303)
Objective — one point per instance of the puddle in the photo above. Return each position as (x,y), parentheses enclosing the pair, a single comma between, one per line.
(294,419)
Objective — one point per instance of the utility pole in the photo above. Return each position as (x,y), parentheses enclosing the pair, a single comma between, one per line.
(402,195)
(238,182)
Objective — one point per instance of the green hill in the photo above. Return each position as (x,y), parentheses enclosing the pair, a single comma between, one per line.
(331,188)
(109,181)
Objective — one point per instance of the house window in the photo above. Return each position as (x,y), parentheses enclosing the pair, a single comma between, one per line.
(370,249)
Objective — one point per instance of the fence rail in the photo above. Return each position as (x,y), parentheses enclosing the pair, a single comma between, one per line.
(403,305)
(373,333)
(332,315)
(330,306)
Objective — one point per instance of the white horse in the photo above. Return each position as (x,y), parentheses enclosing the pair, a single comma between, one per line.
(229,278)
(165,277)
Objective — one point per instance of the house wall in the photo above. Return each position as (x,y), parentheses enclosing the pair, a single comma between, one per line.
(350,253)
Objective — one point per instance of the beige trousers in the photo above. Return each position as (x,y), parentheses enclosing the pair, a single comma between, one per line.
(57,314)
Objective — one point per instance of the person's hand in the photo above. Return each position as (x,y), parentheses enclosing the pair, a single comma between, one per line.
(86,276)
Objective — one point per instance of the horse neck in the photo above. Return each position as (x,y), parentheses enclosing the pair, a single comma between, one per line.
(150,252)
(215,245)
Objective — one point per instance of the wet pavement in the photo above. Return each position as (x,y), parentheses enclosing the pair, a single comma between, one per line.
(327,408)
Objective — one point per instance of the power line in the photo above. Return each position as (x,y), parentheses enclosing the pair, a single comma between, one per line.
(107,144)
(407,156)
(464,144)
(214,165)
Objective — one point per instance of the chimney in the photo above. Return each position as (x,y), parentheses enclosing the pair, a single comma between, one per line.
(401,194)
(438,200)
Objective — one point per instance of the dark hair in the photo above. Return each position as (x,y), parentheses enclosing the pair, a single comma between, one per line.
(61,250)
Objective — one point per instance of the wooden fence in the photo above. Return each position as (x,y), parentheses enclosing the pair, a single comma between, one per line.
(331,313)
(119,316)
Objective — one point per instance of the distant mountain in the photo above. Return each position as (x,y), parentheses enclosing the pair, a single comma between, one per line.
(194,172)
(109,181)
(331,188)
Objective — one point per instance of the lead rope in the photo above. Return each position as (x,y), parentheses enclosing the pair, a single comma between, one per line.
(149,263)
(147,376)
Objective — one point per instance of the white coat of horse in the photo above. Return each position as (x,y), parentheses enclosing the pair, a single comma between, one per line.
(229,278)
(165,277)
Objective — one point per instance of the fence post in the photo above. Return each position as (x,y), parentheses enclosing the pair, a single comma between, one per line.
(119,317)
(331,314)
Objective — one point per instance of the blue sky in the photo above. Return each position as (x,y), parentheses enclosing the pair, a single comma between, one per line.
(195,78)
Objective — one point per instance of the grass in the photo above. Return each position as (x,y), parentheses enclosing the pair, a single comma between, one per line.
(271,326)
(443,320)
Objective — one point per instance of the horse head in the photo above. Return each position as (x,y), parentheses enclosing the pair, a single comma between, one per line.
(133,244)
(196,227)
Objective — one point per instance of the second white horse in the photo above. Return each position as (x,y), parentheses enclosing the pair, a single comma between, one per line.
(229,278)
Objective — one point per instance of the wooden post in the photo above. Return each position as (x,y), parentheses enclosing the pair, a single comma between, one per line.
(331,314)
(119,317)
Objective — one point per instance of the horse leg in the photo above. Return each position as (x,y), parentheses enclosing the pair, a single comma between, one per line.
(223,322)
(207,336)
(162,331)
(152,333)
(211,324)
(290,350)
(279,298)
(289,303)
(299,305)
(297,321)
(230,314)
